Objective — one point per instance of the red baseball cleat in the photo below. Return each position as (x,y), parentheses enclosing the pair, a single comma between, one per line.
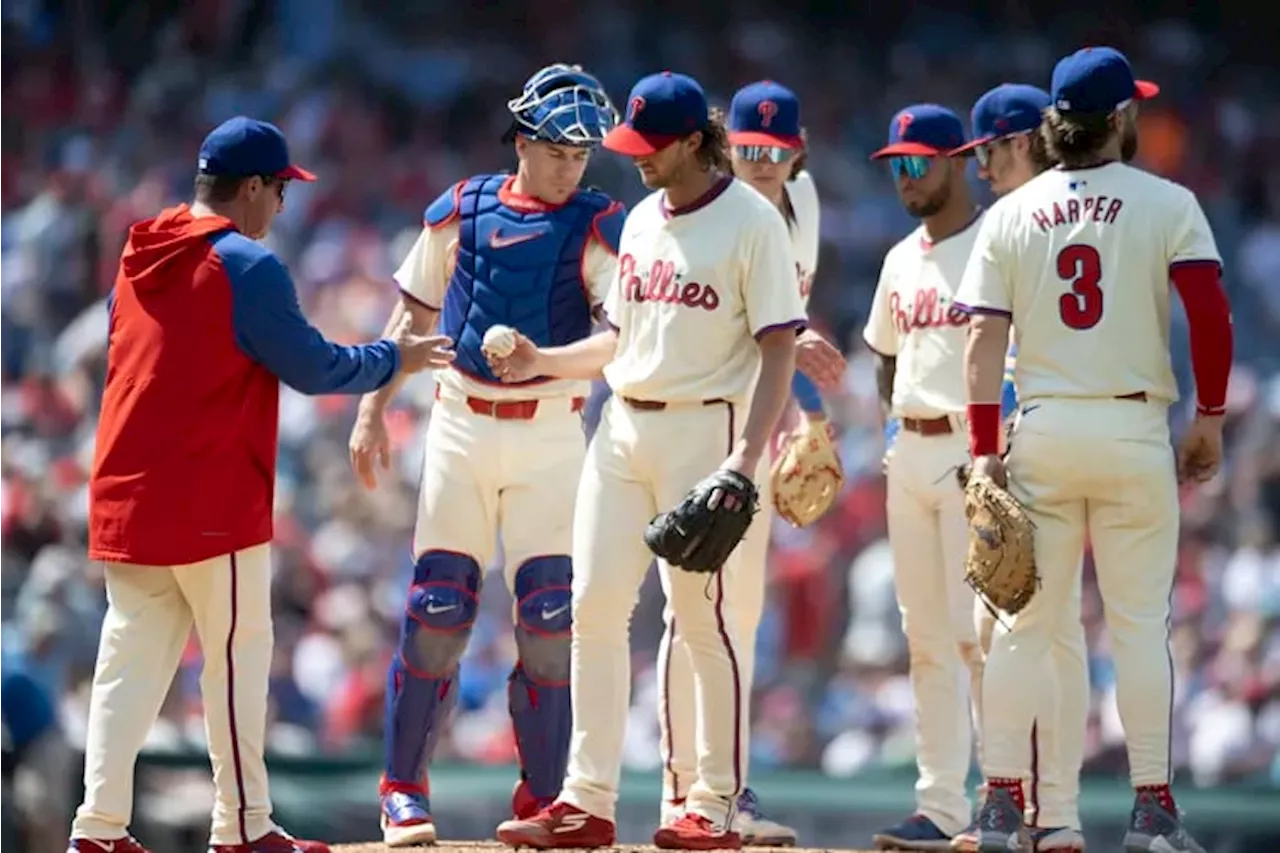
(524,804)
(558,825)
(128,844)
(695,832)
(277,841)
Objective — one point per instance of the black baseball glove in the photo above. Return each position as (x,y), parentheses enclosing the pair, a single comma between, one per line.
(702,531)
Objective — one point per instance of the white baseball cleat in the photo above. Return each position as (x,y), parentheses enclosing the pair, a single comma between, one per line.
(758,830)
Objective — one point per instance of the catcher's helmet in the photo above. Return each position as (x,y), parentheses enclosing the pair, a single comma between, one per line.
(562,104)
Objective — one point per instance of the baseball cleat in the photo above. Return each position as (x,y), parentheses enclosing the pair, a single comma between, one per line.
(128,844)
(695,832)
(672,811)
(1056,839)
(276,841)
(755,828)
(1000,825)
(966,840)
(558,825)
(1154,829)
(406,817)
(915,833)
(524,804)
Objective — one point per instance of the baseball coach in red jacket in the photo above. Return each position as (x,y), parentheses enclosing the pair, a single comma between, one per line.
(204,326)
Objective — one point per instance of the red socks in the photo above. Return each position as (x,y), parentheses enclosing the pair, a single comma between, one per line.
(1014,787)
(1162,794)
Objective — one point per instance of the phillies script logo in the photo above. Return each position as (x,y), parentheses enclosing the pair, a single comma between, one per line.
(767,110)
(805,278)
(634,107)
(661,284)
(929,311)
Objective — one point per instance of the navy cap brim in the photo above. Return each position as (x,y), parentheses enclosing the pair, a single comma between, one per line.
(295,173)
(625,139)
(767,140)
(909,149)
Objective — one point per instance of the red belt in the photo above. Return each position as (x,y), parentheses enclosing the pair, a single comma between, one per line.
(658,405)
(513,410)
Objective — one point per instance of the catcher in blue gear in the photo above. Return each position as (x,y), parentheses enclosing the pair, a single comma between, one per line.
(534,252)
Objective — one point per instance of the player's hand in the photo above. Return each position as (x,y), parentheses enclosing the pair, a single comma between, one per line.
(421,352)
(991,466)
(1200,453)
(819,360)
(524,362)
(369,447)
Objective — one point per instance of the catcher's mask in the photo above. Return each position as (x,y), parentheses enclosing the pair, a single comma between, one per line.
(562,104)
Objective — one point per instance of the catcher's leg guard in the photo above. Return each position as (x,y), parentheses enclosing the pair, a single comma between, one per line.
(538,690)
(422,680)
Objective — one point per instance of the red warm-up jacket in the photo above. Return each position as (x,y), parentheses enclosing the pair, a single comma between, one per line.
(204,324)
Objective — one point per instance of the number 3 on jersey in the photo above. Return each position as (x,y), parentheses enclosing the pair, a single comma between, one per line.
(1081,265)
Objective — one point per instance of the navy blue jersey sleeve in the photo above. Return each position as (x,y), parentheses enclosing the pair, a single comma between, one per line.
(270,329)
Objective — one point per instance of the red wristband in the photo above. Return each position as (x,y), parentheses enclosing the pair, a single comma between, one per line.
(984,429)
(1211,411)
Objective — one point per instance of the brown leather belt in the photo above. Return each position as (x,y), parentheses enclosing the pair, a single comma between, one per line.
(928,426)
(513,410)
(658,405)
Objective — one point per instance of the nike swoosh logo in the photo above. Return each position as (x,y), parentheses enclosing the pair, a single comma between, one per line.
(434,608)
(497,241)
(548,615)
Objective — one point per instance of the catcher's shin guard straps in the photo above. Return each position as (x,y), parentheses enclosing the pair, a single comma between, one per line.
(422,684)
(538,690)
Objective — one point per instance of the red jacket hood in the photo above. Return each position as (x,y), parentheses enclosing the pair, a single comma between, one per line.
(154,245)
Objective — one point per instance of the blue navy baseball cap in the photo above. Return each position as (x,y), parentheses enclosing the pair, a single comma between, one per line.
(1097,80)
(765,113)
(661,108)
(1007,109)
(923,130)
(241,147)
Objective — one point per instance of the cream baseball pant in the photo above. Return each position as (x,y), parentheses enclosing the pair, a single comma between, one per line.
(150,613)
(1057,746)
(929,537)
(641,461)
(1101,468)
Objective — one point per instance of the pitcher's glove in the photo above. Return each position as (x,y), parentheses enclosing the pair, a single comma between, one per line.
(1001,563)
(807,475)
(699,534)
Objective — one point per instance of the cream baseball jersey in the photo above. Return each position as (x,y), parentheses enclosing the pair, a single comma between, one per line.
(805,236)
(425,274)
(1080,260)
(914,318)
(695,286)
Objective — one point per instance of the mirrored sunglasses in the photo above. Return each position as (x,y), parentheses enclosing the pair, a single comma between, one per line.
(983,152)
(762,153)
(914,167)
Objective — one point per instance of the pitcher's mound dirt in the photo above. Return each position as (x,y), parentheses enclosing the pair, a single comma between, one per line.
(494,847)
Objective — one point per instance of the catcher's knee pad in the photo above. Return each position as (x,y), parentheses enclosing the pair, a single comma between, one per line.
(439,613)
(544,618)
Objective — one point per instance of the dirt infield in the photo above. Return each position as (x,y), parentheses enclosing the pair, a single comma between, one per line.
(493,847)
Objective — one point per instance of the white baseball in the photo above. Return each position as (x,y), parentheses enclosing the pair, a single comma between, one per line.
(499,341)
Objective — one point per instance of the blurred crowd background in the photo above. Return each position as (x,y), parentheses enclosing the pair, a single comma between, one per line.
(105,103)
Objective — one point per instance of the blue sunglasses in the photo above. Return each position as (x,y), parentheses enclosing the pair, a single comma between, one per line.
(762,153)
(913,166)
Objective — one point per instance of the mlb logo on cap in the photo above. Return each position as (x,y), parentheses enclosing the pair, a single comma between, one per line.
(660,109)
(766,114)
(1097,80)
(1008,109)
(923,130)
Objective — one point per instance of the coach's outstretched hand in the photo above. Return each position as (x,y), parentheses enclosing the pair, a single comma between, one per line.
(524,362)
(421,352)
(819,360)
(1200,453)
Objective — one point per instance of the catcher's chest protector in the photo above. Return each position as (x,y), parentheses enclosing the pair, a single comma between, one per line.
(518,268)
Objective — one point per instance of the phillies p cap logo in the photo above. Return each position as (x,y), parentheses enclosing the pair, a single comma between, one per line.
(634,107)
(767,110)
(904,122)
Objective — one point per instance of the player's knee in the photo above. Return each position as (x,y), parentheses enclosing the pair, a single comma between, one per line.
(544,618)
(439,612)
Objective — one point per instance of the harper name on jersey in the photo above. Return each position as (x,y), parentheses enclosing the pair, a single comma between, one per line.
(1073,211)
